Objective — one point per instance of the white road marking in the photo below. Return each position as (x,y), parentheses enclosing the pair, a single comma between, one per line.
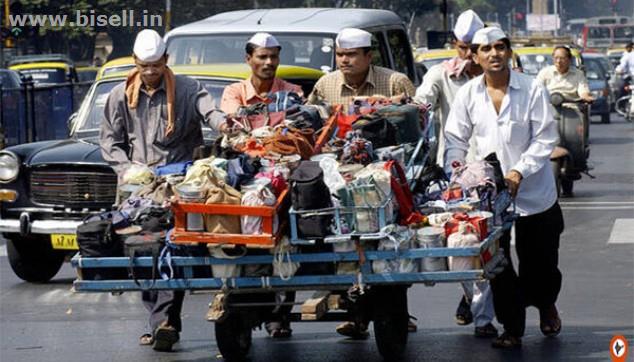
(622,232)
(597,207)
(595,202)
(3,250)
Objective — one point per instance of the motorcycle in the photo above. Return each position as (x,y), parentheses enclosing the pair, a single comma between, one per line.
(569,158)
(624,106)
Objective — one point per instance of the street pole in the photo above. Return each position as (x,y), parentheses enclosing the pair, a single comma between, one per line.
(168,15)
(444,16)
(556,13)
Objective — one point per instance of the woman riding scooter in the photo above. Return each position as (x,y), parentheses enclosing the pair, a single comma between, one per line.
(569,158)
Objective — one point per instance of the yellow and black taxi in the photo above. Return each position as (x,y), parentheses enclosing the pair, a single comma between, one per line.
(116,65)
(47,188)
(431,57)
(45,69)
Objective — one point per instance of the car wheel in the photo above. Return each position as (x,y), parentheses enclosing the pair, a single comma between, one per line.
(605,118)
(33,259)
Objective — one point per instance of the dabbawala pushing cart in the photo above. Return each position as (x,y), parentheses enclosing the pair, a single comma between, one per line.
(346,204)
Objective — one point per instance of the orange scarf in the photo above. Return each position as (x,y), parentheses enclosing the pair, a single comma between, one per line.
(133,85)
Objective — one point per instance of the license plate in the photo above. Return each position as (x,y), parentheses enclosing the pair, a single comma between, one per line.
(64,241)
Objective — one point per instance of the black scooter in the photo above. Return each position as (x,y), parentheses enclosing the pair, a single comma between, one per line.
(569,158)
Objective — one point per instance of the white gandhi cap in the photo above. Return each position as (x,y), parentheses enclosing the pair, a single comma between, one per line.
(467,24)
(487,36)
(264,40)
(350,38)
(149,46)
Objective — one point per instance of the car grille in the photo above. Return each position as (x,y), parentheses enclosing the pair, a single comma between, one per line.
(73,188)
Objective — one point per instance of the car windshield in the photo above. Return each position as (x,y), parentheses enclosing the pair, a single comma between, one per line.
(90,114)
(46,76)
(116,68)
(533,63)
(8,80)
(305,50)
(594,70)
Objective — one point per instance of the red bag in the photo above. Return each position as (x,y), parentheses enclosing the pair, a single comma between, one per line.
(478,222)
(344,123)
(402,193)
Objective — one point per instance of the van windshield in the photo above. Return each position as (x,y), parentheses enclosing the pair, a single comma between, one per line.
(306,50)
(626,33)
(598,33)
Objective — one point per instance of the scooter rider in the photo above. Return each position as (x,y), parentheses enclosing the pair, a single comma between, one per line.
(572,84)
(626,68)
(561,78)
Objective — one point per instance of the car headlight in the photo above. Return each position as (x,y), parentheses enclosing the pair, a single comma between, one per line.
(597,94)
(9,166)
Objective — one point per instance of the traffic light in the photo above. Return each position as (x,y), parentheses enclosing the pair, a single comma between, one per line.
(519,16)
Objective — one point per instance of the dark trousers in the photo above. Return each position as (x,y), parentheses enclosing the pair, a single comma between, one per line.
(538,280)
(164,305)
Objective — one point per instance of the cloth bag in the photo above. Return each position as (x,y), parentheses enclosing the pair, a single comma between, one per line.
(398,238)
(283,266)
(252,225)
(309,192)
(96,239)
(221,193)
(406,120)
(377,130)
(465,237)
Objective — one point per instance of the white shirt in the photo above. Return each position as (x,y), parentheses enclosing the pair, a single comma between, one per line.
(571,85)
(439,89)
(523,136)
(626,65)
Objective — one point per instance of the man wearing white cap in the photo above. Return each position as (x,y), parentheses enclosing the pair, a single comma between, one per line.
(356,76)
(154,118)
(509,113)
(439,88)
(263,56)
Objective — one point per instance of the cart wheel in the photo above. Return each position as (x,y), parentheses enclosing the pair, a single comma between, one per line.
(233,336)
(390,318)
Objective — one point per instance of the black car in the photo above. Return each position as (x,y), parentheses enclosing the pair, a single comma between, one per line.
(47,188)
(599,82)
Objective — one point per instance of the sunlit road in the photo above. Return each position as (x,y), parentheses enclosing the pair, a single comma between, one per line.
(50,323)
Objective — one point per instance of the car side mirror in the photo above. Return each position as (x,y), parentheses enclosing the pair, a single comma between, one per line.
(71,122)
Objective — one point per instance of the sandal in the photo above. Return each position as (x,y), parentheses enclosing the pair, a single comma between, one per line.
(549,321)
(486,331)
(506,341)
(281,333)
(411,325)
(463,313)
(352,330)
(164,338)
(146,340)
